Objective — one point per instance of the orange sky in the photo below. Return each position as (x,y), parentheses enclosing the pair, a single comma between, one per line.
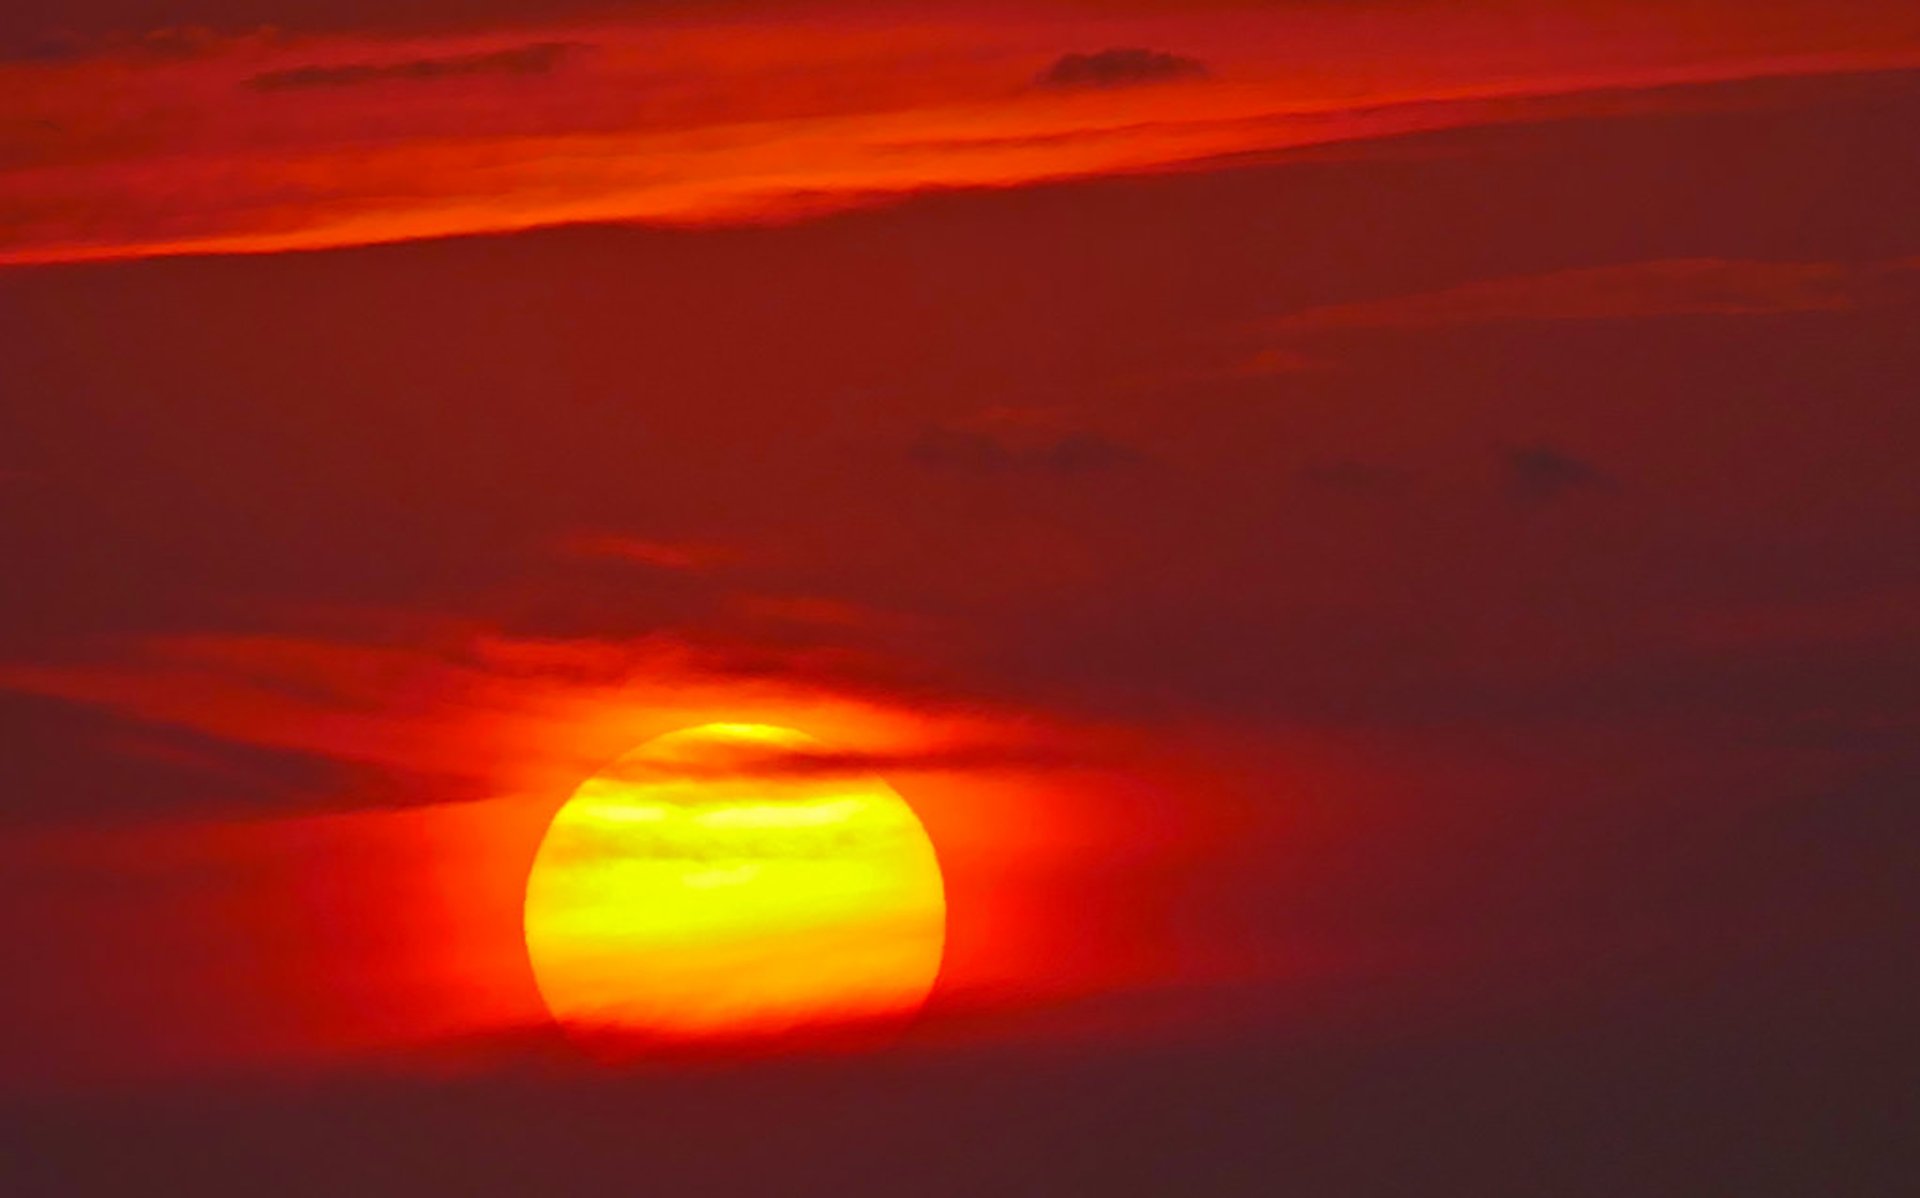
(263,141)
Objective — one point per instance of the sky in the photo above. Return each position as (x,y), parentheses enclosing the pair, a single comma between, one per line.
(1377,539)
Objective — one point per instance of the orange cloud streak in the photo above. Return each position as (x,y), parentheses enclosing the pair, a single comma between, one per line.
(264,143)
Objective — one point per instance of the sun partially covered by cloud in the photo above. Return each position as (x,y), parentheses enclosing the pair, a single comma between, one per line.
(448,762)
(678,897)
(1442,569)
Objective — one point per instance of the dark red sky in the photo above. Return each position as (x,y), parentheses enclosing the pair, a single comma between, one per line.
(1382,552)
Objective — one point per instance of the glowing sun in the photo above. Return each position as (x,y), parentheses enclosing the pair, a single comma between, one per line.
(717,884)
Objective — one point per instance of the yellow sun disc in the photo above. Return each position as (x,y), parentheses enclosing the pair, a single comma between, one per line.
(709,886)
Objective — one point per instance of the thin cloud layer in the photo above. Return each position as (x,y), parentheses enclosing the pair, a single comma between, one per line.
(1630,291)
(686,556)
(1537,474)
(163,43)
(1020,441)
(1121,67)
(539,58)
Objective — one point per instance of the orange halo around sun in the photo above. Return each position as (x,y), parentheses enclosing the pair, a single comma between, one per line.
(706,887)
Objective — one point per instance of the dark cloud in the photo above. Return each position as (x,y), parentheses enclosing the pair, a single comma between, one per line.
(1120,67)
(61,761)
(1543,473)
(1350,477)
(56,24)
(749,762)
(63,45)
(539,58)
(1010,441)
(1696,287)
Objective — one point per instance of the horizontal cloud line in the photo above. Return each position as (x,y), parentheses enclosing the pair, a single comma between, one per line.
(1121,67)
(539,58)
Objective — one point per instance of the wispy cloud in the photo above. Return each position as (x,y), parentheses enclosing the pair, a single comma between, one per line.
(539,58)
(477,712)
(726,118)
(687,556)
(968,758)
(1121,67)
(1020,440)
(163,43)
(1537,474)
(1628,291)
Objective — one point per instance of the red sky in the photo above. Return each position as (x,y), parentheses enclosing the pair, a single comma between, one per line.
(1377,538)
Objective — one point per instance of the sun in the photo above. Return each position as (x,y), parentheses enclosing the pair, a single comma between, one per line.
(726,883)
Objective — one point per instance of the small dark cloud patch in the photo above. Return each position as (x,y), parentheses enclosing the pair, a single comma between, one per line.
(1020,441)
(59,46)
(1538,474)
(61,762)
(1121,67)
(1350,477)
(975,452)
(539,58)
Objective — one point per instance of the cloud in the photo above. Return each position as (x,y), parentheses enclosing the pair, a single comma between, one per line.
(1532,474)
(1276,360)
(750,762)
(1537,474)
(1629,291)
(62,761)
(818,612)
(1020,441)
(1120,67)
(171,43)
(160,186)
(538,58)
(1348,476)
(686,556)
(461,712)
